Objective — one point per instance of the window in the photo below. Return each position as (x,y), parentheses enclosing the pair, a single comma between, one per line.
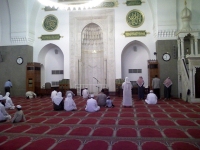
(57,72)
(135,70)
(55,83)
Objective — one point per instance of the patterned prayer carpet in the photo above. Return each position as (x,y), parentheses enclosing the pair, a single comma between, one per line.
(168,125)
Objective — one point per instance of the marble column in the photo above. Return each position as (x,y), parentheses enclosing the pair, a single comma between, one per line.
(182,47)
(191,46)
(179,50)
(196,45)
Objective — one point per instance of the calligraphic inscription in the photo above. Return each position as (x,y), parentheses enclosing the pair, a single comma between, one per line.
(50,23)
(50,37)
(133,2)
(135,33)
(135,18)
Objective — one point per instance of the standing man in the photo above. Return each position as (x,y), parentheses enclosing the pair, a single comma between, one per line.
(167,88)
(127,93)
(7,86)
(156,86)
(140,83)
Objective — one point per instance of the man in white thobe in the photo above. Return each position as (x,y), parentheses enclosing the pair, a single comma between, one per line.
(9,104)
(69,103)
(3,114)
(30,94)
(85,93)
(127,93)
(151,98)
(91,105)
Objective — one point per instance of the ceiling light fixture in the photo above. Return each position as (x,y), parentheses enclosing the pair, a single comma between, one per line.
(69,5)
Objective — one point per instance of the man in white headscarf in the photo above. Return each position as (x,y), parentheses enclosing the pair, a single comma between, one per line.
(4,116)
(69,103)
(91,105)
(85,93)
(58,103)
(30,94)
(127,93)
(151,98)
(9,104)
(53,93)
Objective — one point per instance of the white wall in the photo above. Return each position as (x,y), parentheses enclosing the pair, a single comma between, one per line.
(121,26)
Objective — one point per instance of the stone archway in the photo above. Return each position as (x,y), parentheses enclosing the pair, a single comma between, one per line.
(134,61)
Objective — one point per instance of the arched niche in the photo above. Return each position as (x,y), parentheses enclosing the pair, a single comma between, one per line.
(134,61)
(52,64)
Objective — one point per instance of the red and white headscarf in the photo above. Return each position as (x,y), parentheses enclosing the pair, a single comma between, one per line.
(140,81)
(167,82)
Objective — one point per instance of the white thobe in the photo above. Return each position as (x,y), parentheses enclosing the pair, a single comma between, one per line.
(92,105)
(151,98)
(69,104)
(3,114)
(9,104)
(127,94)
(30,94)
(85,93)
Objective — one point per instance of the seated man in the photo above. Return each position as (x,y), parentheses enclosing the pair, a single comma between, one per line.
(9,104)
(151,98)
(53,93)
(19,115)
(91,105)
(85,93)
(69,103)
(4,116)
(109,103)
(101,99)
(58,103)
(30,94)
(69,91)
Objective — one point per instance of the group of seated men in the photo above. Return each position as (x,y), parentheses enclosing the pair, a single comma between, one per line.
(68,104)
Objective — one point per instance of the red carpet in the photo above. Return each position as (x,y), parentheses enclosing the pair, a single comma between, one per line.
(168,125)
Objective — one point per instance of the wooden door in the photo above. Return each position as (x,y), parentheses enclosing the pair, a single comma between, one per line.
(197,83)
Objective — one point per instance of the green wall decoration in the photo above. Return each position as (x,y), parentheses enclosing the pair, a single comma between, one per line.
(135,33)
(133,2)
(135,18)
(50,23)
(51,37)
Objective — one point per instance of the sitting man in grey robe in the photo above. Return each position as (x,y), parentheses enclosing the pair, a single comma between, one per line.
(19,115)
(4,116)
(101,99)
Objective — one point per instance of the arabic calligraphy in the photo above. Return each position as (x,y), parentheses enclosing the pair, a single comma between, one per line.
(50,23)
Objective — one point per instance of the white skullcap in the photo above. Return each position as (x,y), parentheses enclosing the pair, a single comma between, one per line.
(91,95)
(151,91)
(19,106)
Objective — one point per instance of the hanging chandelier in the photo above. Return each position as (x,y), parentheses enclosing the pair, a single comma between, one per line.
(71,4)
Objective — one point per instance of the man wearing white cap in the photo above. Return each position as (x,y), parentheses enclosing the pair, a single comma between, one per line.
(85,93)
(3,114)
(91,105)
(19,115)
(151,98)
